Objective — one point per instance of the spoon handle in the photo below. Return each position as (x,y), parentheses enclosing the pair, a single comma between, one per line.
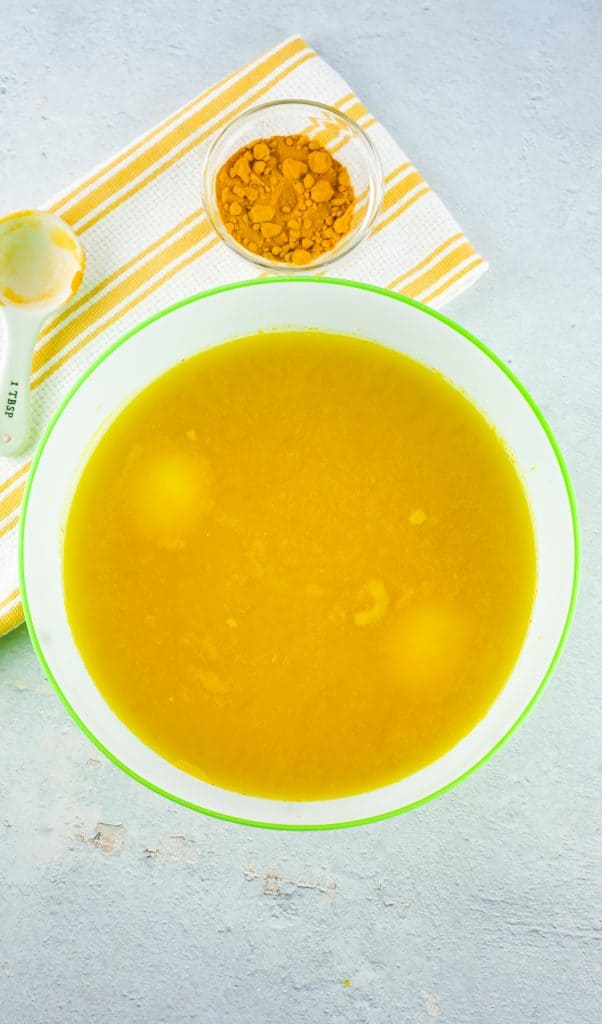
(20,333)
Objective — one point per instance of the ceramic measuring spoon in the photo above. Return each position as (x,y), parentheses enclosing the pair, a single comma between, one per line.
(41,267)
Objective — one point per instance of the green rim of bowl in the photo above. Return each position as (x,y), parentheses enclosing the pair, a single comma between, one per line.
(263,282)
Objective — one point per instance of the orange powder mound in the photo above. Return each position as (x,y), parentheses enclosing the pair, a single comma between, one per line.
(285,198)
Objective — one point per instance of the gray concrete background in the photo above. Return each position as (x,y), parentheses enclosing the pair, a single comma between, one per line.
(484,906)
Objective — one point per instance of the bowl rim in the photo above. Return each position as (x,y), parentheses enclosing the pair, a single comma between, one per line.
(353,238)
(387,293)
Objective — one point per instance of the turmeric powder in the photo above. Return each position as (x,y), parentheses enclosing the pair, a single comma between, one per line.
(285,198)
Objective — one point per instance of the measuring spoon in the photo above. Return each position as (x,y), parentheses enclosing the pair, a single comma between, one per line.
(41,268)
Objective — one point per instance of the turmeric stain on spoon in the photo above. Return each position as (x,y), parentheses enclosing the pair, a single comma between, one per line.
(40,261)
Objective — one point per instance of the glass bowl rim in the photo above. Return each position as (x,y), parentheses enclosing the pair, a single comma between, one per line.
(353,238)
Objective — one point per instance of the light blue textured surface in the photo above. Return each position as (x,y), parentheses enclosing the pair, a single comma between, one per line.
(116,906)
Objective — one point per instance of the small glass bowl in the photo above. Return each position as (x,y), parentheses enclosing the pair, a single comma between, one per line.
(336,133)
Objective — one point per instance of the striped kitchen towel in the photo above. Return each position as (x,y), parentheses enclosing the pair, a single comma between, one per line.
(148,244)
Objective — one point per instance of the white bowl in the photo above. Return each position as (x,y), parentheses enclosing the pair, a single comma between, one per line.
(233,311)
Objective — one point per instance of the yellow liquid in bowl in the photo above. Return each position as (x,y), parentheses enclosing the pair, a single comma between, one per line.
(299,565)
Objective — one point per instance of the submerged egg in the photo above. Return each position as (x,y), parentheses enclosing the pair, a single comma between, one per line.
(429,645)
(168,493)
